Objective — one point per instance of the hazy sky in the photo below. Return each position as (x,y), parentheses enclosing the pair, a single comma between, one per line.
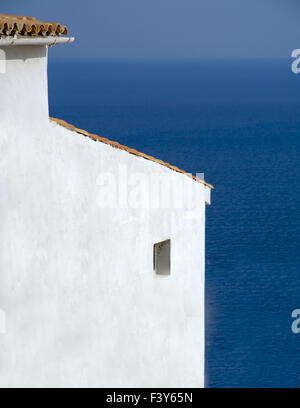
(171,29)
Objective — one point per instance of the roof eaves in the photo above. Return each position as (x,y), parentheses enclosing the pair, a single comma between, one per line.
(127,149)
(23,26)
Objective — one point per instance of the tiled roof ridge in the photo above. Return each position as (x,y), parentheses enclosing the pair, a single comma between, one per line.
(23,26)
(127,149)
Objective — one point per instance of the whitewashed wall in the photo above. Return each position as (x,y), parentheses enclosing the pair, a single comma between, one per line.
(83,304)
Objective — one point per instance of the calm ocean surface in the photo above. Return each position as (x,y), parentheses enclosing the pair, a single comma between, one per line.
(239,123)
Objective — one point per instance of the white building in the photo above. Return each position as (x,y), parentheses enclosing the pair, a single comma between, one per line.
(88,298)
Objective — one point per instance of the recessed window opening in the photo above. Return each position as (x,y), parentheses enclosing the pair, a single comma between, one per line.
(161,257)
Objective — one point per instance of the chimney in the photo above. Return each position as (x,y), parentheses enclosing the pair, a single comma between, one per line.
(24,43)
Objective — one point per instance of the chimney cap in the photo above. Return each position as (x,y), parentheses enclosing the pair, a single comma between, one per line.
(22,26)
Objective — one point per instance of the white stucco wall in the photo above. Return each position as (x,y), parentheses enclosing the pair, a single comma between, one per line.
(83,304)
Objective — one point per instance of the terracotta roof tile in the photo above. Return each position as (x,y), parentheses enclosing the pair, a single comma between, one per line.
(127,149)
(22,26)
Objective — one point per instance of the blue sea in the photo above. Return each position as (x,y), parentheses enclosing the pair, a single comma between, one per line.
(239,123)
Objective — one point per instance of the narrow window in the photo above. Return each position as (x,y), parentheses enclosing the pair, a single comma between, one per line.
(161,257)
